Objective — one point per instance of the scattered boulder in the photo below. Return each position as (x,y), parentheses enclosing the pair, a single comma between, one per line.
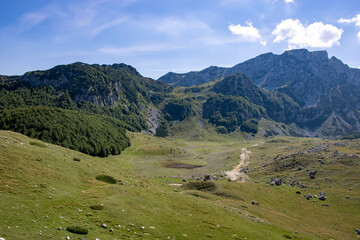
(278,181)
(321,161)
(104,225)
(299,169)
(308,196)
(298,192)
(357,231)
(347,197)
(312,174)
(254,202)
(208,178)
(322,196)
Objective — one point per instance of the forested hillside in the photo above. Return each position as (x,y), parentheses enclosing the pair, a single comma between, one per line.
(88,133)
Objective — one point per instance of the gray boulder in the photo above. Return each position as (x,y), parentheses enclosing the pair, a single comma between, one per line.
(278,181)
(322,196)
(308,196)
(312,174)
(208,178)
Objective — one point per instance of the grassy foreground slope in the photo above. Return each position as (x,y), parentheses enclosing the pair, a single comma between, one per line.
(44,187)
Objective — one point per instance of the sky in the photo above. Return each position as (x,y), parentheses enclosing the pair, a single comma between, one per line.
(159,36)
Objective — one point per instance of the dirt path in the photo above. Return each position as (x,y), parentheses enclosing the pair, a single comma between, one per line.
(236,173)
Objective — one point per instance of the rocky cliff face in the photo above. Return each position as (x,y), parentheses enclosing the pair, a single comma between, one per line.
(303,75)
(99,84)
(327,90)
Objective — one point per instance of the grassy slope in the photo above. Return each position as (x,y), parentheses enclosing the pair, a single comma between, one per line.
(30,173)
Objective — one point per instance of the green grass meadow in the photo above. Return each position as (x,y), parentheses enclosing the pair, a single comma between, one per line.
(44,187)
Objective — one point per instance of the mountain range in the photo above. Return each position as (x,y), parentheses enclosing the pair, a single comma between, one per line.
(298,93)
(327,90)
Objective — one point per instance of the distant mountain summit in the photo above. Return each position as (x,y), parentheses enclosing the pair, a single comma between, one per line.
(327,90)
(303,75)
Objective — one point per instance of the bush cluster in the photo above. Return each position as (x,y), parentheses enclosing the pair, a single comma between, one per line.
(200,185)
(77,230)
(106,178)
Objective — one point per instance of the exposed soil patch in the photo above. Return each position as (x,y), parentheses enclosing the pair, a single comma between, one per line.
(172,164)
(237,172)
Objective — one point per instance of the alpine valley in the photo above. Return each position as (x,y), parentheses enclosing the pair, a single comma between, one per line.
(266,149)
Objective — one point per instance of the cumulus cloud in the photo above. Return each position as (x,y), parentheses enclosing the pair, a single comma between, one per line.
(355,20)
(289,1)
(314,35)
(248,32)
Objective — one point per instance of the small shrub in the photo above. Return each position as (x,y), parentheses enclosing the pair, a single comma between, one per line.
(37,144)
(77,230)
(76,159)
(97,207)
(106,178)
(221,130)
(250,126)
(161,130)
(200,185)
(227,195)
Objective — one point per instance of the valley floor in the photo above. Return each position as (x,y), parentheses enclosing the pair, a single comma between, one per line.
(45,188)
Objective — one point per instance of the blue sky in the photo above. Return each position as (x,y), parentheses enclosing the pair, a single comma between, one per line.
(158,36)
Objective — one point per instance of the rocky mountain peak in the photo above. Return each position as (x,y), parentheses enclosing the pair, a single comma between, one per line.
(305,55)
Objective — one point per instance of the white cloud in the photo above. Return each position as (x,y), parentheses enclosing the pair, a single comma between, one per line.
(314,35)
(289,1)
(355,20)
(264,43)
(248,32)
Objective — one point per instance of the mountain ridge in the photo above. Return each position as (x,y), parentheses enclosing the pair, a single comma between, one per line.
(298,88)
(322,87)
